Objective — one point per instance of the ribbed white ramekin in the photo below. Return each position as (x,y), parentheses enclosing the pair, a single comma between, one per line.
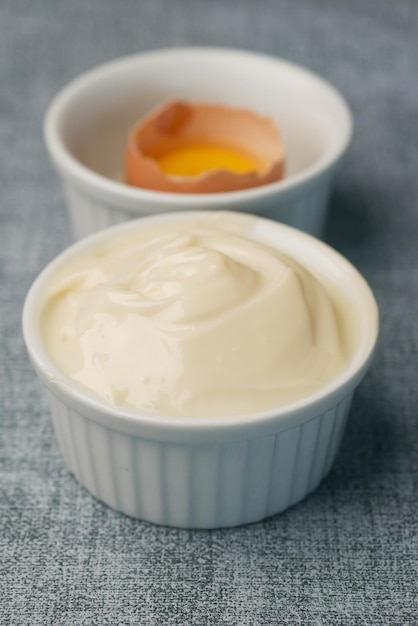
(206,472)
(87,123)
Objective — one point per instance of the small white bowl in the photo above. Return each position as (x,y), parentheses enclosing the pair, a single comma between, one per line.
(205,472)
(87,123)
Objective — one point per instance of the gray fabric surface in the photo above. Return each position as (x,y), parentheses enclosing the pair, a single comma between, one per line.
(349,553)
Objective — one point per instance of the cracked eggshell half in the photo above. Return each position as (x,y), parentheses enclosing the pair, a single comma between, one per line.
(179,125)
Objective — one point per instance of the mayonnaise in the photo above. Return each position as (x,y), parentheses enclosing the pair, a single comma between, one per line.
(195,318)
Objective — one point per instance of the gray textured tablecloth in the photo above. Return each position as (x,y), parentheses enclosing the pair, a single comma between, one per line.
(349,553)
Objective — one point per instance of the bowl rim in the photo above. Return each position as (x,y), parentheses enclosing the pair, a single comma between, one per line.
(114,190)
(121,419)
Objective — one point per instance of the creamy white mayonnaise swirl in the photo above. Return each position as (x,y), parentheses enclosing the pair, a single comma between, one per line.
(194,317)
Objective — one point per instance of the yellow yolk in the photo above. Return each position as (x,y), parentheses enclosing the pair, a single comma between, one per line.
(193,160)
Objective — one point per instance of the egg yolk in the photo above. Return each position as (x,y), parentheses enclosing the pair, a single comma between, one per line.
(193,160)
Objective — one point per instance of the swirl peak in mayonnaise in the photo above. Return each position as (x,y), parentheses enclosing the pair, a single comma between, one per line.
(193,317)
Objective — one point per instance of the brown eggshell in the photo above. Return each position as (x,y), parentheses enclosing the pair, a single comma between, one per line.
(179,124)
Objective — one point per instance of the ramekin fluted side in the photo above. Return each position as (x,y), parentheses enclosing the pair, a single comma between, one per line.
(303,210)
(210,485)
(88,215)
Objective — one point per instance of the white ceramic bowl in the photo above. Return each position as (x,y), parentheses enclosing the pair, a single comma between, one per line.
(205,472)
(87,123)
